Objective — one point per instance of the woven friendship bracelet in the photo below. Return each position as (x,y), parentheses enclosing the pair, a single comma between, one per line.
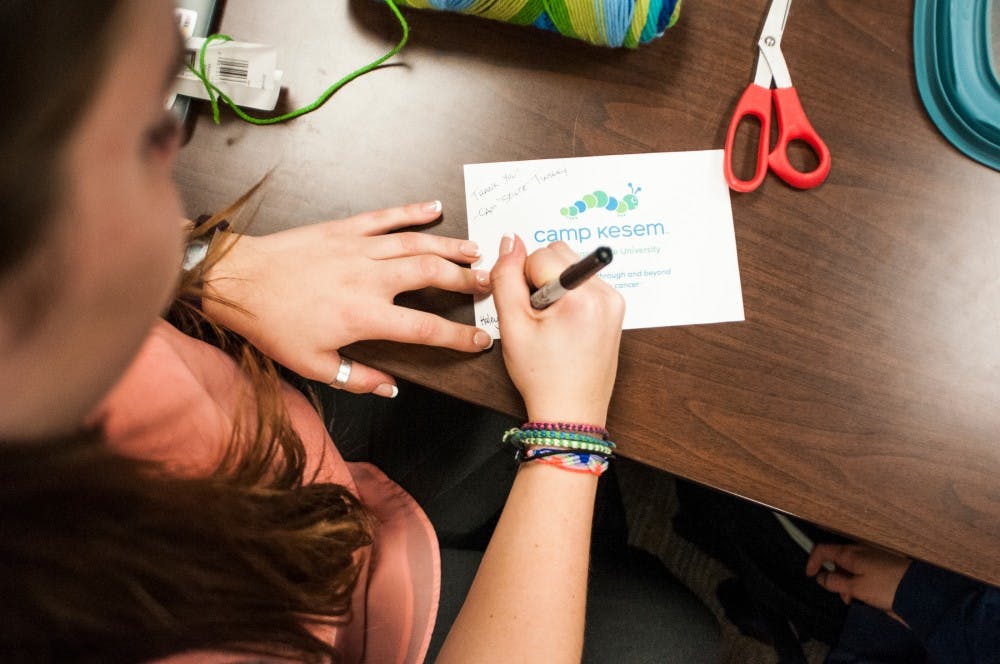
(535,453)
(560,435)
(592,464)
(567,426)
(578,463)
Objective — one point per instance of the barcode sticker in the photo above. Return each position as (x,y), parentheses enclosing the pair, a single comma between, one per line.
(233,70)
(186,20)
(247,73)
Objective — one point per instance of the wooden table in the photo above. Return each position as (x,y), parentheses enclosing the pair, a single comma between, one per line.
(863,390)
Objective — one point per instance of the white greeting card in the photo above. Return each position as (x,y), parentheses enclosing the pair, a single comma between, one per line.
(666,216)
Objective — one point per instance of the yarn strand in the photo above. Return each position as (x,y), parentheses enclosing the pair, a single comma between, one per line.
(215,94)
(612,23)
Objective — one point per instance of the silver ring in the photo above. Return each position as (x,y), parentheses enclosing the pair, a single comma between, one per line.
(343,374)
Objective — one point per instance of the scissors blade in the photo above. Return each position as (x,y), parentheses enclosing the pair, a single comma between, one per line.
(777,17)
(771,64)
(763,76)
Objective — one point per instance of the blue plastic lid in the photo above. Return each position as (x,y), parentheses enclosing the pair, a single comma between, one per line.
(956,75)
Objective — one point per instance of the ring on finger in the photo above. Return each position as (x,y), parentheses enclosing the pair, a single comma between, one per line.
(343,374)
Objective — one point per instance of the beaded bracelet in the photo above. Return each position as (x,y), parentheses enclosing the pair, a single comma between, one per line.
(569,446)
(573,447)
(567,426)
(592,464)
(517,436)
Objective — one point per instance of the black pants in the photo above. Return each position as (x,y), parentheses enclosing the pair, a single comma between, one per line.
(448,455)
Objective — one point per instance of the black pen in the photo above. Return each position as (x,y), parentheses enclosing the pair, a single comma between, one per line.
(573,276)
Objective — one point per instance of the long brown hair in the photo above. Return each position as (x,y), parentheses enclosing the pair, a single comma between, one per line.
(107,558)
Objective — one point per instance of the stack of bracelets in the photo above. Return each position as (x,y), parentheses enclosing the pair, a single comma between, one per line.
(581,448)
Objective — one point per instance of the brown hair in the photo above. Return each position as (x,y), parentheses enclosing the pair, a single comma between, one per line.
(107,558)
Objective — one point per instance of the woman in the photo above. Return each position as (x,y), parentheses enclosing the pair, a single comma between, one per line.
(163,498)
(91,249)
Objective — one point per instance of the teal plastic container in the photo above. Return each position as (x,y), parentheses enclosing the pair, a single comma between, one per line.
(957,76)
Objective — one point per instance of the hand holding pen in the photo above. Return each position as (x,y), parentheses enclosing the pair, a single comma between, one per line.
(571,277)
(563,360)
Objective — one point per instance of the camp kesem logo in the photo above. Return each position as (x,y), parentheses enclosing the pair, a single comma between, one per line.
(601,200)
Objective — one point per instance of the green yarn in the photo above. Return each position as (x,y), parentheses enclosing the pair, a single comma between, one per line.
(215,94)
(558,13)
(529,13)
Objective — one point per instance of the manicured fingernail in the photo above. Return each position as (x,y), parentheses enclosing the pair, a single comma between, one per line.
(506,243)
(433,206)
(386,390)
(470,249)
(483,340)
(482,278)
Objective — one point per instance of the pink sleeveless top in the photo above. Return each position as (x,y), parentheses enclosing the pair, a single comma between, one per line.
(176,403)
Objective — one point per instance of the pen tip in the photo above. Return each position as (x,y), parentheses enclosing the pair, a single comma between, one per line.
(604,254)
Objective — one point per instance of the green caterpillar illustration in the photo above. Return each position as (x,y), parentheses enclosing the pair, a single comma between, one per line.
(599,199)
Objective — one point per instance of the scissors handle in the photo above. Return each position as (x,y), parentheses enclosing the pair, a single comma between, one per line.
(793,125)
(755,102)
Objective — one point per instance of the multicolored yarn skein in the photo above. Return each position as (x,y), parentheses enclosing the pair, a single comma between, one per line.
(613,23)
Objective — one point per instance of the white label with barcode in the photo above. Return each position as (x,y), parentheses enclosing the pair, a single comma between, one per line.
(246,73)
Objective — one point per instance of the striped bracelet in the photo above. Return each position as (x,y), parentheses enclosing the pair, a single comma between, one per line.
(591,464)
(528,454)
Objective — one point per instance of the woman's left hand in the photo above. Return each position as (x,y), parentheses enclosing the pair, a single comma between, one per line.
(309,291)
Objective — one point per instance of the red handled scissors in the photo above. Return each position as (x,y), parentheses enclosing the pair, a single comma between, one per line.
(793,125)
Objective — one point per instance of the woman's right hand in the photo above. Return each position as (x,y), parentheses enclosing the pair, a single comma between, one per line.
(862,572)
(563,359)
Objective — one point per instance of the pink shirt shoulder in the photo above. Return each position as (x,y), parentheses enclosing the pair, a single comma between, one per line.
(176,404)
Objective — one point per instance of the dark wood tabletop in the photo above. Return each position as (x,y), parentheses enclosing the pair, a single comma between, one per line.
(863,390)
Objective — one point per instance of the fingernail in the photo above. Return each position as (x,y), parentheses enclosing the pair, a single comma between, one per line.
(483,340)
(506,243)
(433,206)
(386,390)
(482,278)
(470,248)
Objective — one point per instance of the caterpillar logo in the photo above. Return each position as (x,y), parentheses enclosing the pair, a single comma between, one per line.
(600,199)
